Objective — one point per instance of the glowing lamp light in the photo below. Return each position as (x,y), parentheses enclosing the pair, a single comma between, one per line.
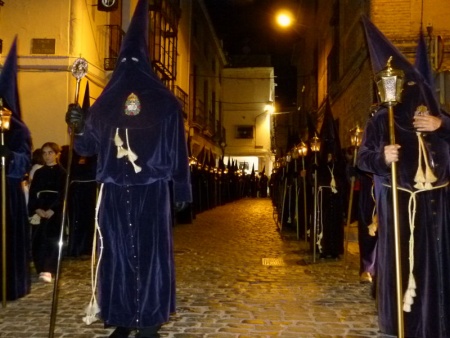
(315,144)
(302,149)
(288,157)
(355,136)
(284,19)
(389,83)
(5,117)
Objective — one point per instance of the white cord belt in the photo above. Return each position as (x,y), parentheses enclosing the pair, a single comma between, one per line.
(410,293)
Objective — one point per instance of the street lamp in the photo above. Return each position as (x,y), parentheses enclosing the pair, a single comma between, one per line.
(5,118)
(390,83)
(284,18)
(315,148)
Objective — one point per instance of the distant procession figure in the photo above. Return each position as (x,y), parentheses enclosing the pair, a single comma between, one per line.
(16,151)
(331,191)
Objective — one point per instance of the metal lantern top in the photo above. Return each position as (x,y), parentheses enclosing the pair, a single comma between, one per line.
(288,157)
(302,149)
(389,83)
(315,144)
(5,117)
(355,136)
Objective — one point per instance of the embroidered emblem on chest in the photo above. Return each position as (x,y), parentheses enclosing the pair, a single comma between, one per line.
(422,111)
(132,105)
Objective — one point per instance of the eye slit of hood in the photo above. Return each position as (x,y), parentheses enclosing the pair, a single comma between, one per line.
(411,83)
(135,59)
(123,60)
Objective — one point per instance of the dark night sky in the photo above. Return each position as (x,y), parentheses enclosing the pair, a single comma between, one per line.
(247,26)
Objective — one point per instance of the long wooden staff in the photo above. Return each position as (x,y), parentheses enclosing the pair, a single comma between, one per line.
(389,82)
(355,142)
(79,70)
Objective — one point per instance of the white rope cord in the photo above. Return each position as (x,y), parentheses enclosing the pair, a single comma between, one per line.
(333,181)
(423,179)
(410,293)
(320,202)
(121,151)
(373,227)
(93,309)
(132,156)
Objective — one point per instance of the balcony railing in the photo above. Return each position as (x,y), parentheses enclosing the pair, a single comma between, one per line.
(183,97)
(114,36)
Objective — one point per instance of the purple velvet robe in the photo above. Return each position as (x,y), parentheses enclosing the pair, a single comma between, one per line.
(18,281)
(430,312)
(137,277)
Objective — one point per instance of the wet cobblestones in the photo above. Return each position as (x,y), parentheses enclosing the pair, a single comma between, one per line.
(223,288)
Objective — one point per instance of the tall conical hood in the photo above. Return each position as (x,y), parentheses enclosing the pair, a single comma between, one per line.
(329,136)
(135,98)
(8,82)
(135,42)
(312,131)
(86,100)
(381,49)
(17,138)
(416,90)
(422,63)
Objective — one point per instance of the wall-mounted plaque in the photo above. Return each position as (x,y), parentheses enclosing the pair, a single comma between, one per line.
(43,46)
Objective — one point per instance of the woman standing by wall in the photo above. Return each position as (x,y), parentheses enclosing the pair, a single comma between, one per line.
(45,209)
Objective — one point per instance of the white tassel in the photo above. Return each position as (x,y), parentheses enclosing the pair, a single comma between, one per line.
(319,241)
(333,185)
(419,186)
(408,298)
(412,282)
(407,307)
(137,169)
(91,311)
(121,152)
(117,140)
(373,227)
(333,181)
(131,155)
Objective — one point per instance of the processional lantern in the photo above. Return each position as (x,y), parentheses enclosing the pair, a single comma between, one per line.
(5,117)
(288,157)
(302,149)
(315,144)
(355,136)
(389,84)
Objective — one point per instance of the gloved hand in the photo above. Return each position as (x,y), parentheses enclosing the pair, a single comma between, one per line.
(75,118)
(5,151)
(180,206)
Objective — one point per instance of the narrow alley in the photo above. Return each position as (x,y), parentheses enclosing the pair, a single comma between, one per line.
(237,276)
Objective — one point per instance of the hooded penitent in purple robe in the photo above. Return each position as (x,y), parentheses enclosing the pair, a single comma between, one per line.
(18,141)
(423,203)
(331,190)
(136,129)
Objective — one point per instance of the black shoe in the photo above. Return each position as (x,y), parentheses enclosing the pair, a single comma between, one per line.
(120,332)
(149,332)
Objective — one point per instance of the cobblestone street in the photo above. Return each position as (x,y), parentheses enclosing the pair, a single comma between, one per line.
(237,276)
